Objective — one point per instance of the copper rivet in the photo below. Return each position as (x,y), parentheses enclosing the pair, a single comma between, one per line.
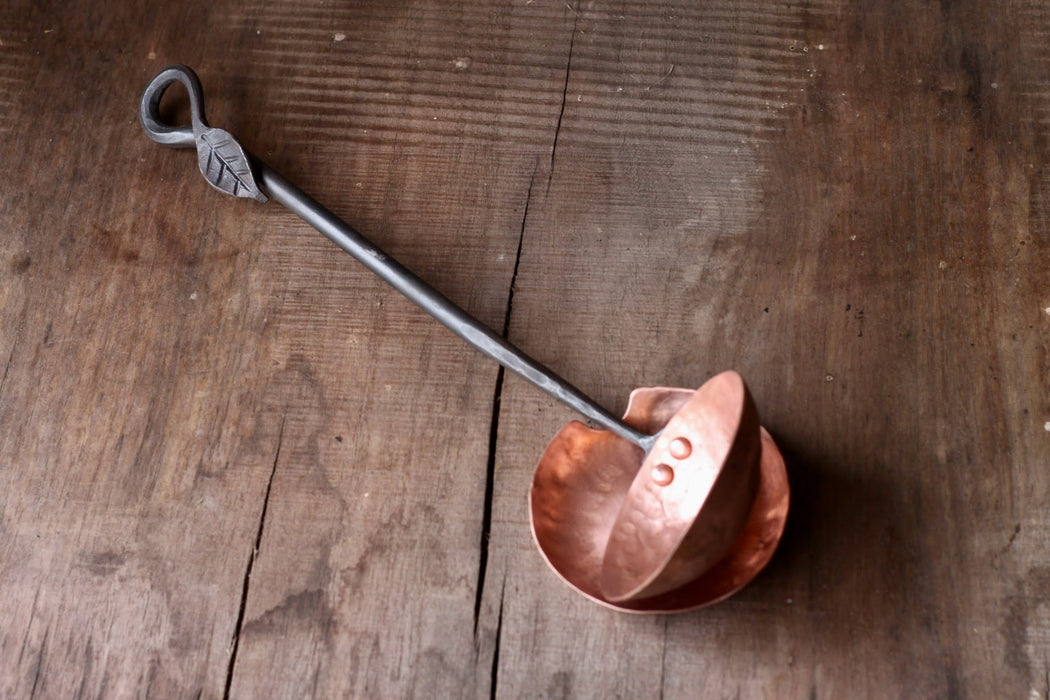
(663,474)
(680,448)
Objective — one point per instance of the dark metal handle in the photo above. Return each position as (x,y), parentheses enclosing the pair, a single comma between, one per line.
(342,234)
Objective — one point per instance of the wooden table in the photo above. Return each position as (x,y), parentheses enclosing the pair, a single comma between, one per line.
(232,462)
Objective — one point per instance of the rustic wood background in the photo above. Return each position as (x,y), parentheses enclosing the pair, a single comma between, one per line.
(233,463)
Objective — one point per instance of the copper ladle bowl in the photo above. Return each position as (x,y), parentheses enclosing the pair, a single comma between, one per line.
(681,527)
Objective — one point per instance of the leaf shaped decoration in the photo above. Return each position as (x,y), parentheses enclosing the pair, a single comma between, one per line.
(225,165)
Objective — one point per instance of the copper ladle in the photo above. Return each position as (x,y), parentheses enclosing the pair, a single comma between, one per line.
(676,506)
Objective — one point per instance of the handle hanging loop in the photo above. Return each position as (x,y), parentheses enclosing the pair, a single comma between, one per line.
(222,161)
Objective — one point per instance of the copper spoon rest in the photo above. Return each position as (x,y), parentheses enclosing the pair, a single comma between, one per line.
(580,489)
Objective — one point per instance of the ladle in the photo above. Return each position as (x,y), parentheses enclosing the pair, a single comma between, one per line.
(636,516)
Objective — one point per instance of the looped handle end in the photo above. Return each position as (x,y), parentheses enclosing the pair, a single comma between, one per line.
(224,164)
(149,108)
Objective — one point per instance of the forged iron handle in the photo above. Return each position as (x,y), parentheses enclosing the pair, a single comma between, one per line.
(231,170)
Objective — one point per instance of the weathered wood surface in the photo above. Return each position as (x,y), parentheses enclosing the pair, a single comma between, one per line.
(234,463)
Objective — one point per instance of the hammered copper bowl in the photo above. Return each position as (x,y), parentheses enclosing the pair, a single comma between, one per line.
(680,528)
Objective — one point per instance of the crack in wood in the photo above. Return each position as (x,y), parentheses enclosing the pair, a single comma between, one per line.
(564,92)
(39,663)
(239,626)
(7,367)
(486,515)
(490,463)
(11,355)
(494,673)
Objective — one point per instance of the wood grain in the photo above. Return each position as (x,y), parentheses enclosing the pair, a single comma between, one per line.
(233,464)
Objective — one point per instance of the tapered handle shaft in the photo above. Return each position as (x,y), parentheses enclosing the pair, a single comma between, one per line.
(436,304)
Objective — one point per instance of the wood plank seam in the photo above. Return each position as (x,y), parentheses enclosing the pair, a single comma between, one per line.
(494,672)
(490,465)
(564,92)
(239,625)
